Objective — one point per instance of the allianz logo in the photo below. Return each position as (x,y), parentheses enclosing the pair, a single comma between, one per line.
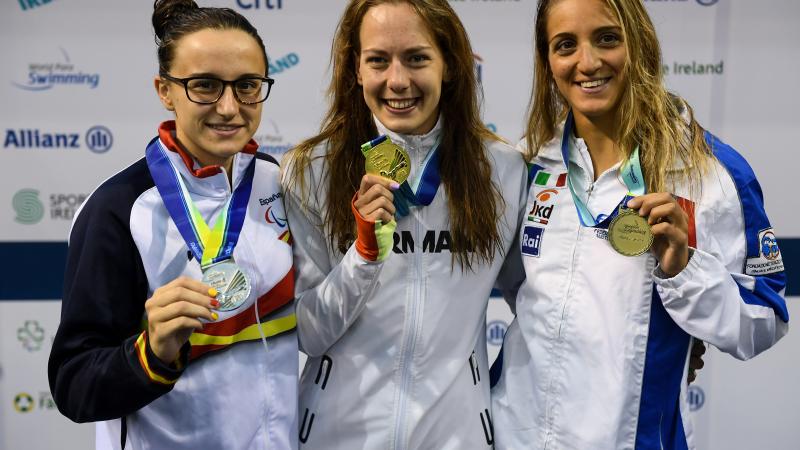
(97,139)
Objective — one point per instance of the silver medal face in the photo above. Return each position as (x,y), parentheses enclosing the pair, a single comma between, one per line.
(231,283)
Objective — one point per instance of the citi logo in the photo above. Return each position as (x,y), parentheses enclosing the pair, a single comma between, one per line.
(97,139)
(532,241)
(260,4)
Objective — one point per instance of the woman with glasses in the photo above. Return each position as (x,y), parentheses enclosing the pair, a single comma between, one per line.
(177,323)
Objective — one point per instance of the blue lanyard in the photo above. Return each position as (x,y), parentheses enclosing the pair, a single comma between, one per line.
(425,190)
(631,172)
(187,218)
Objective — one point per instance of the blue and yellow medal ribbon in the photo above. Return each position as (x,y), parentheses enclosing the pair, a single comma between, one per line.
(208,245)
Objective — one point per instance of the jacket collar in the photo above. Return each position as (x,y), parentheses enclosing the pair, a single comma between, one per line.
(166,132)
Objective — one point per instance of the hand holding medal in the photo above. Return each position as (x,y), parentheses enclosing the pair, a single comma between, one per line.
(174,312)
(669,227)
(387,165)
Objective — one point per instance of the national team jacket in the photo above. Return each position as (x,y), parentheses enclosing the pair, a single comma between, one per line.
(235,385)
(597,355)
(397,348)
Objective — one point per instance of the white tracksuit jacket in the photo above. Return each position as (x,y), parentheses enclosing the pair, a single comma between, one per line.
(397,350)
(598,353)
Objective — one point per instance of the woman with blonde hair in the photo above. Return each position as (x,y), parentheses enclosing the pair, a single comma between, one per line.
(394,274)
(643,230)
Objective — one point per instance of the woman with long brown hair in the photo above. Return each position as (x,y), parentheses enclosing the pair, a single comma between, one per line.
(643,230)
(394,276)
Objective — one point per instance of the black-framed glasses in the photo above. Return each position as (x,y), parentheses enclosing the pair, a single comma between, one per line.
(207,90)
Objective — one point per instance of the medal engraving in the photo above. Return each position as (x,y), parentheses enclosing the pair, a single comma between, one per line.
(388,160)
(231,283)
(629,233)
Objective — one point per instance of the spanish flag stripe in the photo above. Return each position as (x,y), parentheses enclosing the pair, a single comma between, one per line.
(281,294)
(140,347)
(201,341)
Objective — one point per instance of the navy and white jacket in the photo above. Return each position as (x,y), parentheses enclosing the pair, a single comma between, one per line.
(397,348)
(229,389)
(597,355)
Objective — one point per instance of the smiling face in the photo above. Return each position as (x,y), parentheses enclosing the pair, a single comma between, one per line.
(213,133)
(400,68)
(587,57)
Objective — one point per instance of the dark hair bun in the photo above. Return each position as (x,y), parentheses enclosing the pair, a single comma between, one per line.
(166,11)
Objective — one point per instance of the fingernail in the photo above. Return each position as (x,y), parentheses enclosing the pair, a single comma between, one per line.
(394,186)
(214,316)
(214,303)
(212,292)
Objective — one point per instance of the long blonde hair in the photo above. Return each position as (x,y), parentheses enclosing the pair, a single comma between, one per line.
(474,202)
(648,115)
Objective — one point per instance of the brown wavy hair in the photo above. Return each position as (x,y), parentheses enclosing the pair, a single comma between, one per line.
(647,115)
(474,202)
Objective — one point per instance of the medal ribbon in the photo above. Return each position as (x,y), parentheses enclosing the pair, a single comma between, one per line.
(208,245)
(426,185)
(630,171)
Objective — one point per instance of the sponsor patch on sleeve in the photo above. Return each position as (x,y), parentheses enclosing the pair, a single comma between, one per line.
(769,255)
(532,241)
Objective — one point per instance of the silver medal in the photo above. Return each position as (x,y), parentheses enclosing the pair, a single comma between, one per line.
(231,283)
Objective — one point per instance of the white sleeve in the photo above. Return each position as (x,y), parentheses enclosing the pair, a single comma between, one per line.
(512,272)
(329,295)
(731,292)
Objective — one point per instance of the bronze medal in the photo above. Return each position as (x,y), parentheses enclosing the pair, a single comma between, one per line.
(629,233)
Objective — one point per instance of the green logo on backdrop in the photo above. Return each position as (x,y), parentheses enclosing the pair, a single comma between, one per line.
(28,207)
(31,335)
(23,402)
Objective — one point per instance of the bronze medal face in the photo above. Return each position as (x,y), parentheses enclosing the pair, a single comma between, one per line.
(388,160)
(629,233)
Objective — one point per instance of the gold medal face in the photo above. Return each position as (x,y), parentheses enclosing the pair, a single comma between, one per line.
(388,160)
(629,233)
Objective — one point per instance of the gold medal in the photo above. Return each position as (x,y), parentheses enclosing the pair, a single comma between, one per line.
(629,233)
(388,160)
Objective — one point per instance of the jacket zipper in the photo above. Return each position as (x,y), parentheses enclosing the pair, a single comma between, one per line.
(409,344)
